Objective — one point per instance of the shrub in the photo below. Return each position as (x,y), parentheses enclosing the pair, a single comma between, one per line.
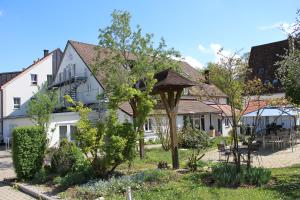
(193,138)
(40,177)
(67,158)
(28,151)
(114,185)
(75,178)
(227,175)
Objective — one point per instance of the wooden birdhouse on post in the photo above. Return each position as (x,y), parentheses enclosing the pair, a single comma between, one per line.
(169,86)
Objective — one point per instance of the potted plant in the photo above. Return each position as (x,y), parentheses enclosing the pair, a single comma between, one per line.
(212,131)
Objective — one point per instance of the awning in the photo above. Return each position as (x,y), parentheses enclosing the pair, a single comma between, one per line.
(269,112)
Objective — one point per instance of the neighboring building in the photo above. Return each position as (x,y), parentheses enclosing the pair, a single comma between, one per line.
(262,62)
(73,76)
(17,88)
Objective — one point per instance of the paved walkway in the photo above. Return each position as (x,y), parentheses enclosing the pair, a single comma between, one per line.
(6,171)
(267,159)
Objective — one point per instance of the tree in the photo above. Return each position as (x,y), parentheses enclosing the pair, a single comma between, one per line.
(130,61)
(162,130)
(41,106)
(107,143)
(289,65)
(229,75)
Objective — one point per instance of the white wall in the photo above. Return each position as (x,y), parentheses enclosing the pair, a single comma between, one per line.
(21,87)
(81,70)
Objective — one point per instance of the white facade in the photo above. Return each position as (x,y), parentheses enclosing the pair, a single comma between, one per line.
(73,66)
(18,91)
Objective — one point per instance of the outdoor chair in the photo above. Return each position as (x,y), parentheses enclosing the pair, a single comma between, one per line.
(224,152)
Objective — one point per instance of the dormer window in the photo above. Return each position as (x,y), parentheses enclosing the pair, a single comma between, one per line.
(33,79)
(261,71)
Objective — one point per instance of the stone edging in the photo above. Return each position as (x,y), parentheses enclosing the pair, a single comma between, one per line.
(27,190)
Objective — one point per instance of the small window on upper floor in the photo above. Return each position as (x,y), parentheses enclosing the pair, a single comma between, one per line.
(17,102)
(89,87)
(34,79)
(275,82)
(261,71)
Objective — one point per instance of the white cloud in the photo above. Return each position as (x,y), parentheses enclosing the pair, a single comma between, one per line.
(193,62)
(285,26)
(203,49)
(217,50)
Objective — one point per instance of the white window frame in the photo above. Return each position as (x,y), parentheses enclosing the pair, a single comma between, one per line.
(17,105)
(34,79)
(226,122)
(148,126)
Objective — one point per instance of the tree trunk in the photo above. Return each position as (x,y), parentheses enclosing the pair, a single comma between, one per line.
(142,148)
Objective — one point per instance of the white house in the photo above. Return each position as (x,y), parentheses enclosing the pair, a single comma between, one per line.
(73,76)
(17,88)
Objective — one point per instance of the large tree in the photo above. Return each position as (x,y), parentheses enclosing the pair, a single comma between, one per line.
(130,61)
(289,65)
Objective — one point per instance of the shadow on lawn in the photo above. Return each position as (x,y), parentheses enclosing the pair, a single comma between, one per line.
(288,185)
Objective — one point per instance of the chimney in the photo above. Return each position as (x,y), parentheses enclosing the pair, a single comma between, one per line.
(206,77)
(46,52)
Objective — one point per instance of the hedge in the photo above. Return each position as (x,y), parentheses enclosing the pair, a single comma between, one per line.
(28,150)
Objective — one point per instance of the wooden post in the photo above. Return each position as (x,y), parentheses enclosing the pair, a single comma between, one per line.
(171,105)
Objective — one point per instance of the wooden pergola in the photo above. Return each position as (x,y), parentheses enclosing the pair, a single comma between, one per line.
(169,86)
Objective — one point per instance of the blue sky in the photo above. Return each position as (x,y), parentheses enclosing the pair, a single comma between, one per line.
(196,28)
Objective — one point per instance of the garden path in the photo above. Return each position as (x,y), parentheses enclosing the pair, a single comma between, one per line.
(266,158)
(7,171)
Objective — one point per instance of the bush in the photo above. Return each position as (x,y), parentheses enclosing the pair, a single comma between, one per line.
(190,137)
(67,158)
(40,177)
(95,189)
(75,178)
(28,151)
(227,175)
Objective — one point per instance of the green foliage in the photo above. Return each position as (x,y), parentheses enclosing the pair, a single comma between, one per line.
(42,105)
(108,143)
(106,188)
(28,149)
(130,66)
(67,158)
(226,175)
(40,177)
(289,64)
(193,138)
(76,177)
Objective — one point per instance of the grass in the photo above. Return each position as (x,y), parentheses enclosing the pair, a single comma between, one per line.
(153,157)
(285,183)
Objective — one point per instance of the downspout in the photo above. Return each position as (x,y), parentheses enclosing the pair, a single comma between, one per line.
(1,114)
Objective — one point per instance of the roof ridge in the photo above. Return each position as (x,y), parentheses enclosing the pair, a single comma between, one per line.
(85,43)
(270,43)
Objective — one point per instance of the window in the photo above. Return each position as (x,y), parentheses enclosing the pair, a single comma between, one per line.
(226,122)
(49,79)
(185,91)
(89,87)
(202,122)
(17,102)
(33,79)
(62,132)
(275,82)
(148,125)
(73,130)
(261,71)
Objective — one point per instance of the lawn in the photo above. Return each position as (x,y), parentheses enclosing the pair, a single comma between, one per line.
(285,183)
